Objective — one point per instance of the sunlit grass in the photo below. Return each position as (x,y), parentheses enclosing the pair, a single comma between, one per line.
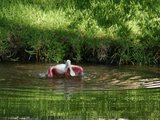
(29,15)
(42,22)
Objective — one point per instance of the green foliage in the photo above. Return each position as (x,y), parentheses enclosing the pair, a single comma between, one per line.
(54,30)
(55,52)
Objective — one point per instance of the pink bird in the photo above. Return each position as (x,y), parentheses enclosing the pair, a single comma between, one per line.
(65,70)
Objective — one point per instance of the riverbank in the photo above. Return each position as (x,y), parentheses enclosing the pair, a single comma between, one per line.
(110,32)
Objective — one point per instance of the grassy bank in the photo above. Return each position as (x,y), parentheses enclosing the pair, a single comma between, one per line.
(105,31)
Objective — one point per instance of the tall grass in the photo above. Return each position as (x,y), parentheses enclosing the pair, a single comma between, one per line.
(107,31)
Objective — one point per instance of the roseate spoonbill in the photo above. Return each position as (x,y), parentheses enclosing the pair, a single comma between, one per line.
(65,70)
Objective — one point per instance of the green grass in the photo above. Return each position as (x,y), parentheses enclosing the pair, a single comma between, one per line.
(113,32)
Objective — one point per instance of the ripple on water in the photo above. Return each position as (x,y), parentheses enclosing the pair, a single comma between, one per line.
(23,95)
(95,77)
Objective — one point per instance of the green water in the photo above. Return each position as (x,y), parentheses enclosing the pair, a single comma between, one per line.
(105,93)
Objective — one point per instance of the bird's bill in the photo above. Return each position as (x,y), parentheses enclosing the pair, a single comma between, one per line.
(72,73)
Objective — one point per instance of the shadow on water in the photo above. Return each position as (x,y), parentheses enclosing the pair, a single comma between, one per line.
(104,93)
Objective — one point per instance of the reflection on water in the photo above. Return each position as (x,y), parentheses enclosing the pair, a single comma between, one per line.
(105,93)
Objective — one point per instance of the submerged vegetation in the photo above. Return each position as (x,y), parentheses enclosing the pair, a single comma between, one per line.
(105,31)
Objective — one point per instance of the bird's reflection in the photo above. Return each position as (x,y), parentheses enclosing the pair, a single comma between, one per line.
(67,86)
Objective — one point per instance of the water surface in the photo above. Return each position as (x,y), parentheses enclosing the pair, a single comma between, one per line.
(104,93)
